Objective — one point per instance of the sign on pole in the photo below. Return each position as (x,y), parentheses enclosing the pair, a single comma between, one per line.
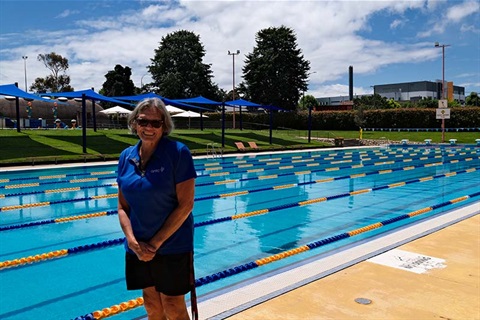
(443,113)
(443,103)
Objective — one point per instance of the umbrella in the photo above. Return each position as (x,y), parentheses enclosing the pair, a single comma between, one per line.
(189,114)
(172,109)
(154,95)
(116,110)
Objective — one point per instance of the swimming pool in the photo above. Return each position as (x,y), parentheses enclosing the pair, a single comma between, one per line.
(60,252)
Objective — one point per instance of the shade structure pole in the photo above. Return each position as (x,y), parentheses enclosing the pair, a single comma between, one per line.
(241,125)
(271,123)
(309,113)
(94,118)
(17,109)
(223,124)
(84,123)
(309,123)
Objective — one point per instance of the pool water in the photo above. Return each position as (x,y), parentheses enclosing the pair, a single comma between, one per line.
(254,214)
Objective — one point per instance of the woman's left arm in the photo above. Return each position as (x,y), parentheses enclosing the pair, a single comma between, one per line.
(185,195)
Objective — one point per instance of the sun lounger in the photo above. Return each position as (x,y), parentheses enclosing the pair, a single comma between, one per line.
(240,146)
(253,145)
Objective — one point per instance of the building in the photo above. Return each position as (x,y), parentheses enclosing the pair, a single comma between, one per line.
(408,91)
(414,91)
(334,103)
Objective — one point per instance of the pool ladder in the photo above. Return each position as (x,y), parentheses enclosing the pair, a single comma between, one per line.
(212,150)
(384,143)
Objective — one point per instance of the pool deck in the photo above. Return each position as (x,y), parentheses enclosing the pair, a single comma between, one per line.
(441,289)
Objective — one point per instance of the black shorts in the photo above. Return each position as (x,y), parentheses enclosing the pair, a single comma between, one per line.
(170,274)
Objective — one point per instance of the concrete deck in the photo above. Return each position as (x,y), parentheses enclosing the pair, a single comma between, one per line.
(452,292)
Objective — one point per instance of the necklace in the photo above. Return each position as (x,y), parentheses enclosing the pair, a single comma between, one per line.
(143,164)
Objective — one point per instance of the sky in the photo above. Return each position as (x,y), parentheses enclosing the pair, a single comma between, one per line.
(385,41)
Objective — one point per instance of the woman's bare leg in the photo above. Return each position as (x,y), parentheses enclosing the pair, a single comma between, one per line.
(174,307)
(153,304)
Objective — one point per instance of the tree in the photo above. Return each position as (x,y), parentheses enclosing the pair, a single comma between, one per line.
(241,92)
(177,68)
(427,102)
(118,82)
(374,101)
(307,101)
(275,73)
(473,99)
(359,118)
(392,104)
(58,81)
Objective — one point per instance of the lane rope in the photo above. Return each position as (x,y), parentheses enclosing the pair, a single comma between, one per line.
(88,247)
(106,312)
(219,182)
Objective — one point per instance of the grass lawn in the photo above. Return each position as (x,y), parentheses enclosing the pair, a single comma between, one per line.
(52,146)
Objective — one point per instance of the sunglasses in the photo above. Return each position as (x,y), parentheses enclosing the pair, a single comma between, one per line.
(146,122)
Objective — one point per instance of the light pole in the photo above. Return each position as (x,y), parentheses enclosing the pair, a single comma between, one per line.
(303,95)
(437,45)
(309,112)
(25,70)
(233,54)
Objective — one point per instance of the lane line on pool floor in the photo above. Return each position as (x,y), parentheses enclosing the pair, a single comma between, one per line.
(255,212)
(249,297)
(16,207)
(58,176)
(412,155)
(25,261)
(227,302)
(36,184)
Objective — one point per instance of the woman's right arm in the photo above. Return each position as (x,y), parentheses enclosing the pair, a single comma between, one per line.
(140,248)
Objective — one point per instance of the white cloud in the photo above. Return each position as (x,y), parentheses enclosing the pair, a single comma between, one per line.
(397,23)
(336,90)
(67,13)
(470,84)
(465,75)
(453,15)
(469,28)
(457,13)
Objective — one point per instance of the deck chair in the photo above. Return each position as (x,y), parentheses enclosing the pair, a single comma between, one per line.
(253,145)
(240,146)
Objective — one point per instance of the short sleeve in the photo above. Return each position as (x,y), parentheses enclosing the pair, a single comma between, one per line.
(121,165)
(185,168)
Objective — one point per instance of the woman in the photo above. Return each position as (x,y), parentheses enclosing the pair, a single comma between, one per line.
(156,181)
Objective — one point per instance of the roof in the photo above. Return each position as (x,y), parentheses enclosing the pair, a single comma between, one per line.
(14,91)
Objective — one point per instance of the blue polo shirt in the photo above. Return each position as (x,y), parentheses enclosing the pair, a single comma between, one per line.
(151,194)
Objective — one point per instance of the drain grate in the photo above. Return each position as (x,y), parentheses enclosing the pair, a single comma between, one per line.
(363,301)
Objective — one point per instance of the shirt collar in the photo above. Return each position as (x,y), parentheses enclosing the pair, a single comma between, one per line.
(134,155)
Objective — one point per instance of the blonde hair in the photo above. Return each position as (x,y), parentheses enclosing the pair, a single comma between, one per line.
(168,125)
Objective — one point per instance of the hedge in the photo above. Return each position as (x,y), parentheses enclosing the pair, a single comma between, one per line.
(465,117)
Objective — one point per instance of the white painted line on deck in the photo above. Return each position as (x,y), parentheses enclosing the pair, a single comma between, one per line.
(408,261)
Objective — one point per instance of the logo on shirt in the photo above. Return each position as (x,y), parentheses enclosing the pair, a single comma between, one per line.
(158,170)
